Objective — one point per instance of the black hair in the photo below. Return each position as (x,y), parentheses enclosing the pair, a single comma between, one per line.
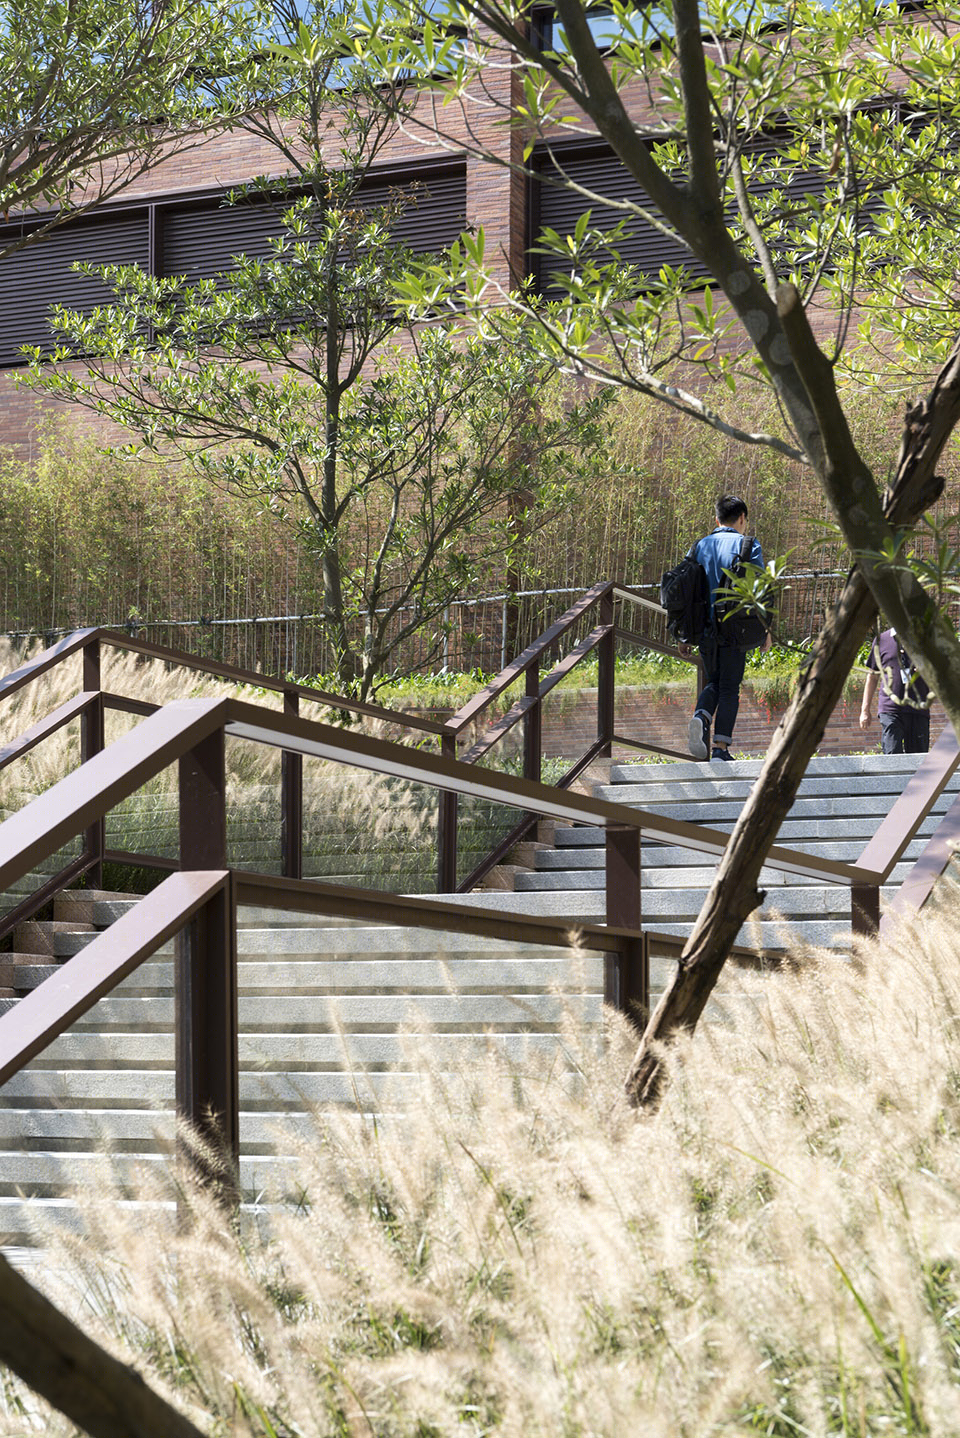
(729,509)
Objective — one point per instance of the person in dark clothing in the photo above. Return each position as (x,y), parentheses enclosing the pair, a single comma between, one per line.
(904,704)
(719,699)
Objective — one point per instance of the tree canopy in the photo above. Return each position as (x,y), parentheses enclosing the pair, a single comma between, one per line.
(95,92)
(408,457)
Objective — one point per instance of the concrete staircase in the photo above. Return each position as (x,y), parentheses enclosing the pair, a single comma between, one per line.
(330,1012)
(324,1004)
(840,804)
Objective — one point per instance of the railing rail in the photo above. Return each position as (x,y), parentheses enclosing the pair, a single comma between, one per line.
(199,903)
(528,710)
(451,733)
(86,795)
(864,877)
(85,639)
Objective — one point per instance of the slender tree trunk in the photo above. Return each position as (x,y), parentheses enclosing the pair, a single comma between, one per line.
(349,667)
(733,894)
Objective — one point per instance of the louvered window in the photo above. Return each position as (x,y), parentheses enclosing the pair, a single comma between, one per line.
(435,208)
(198,239)
(599,170)
(34,278)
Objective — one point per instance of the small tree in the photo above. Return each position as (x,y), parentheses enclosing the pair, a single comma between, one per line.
(96,92)
(408,458)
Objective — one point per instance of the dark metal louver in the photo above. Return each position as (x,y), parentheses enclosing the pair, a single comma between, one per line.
(197,238)
(598,169)
(556,207)
(200,241)
(34,278)
(434,205)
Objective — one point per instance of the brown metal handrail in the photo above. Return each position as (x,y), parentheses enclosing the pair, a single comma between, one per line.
(85,639)
(91,705)
(528,710)
(199,904)
(86,795)
(864,877)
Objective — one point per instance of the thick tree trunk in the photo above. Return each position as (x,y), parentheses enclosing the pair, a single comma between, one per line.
(56,1358)
(733,895)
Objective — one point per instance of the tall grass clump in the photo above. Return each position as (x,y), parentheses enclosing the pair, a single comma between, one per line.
(775,1251)
(362,827)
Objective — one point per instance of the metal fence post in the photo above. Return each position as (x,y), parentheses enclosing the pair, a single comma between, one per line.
(533,726)
(447,818)
(606,679)
(626,974)
(865,910)
(291,798)
(91,743)
(205,1008)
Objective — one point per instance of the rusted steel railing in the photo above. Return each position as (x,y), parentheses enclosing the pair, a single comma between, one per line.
(199,904)
(528,711)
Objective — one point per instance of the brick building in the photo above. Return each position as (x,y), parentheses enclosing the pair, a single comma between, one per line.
(172,221)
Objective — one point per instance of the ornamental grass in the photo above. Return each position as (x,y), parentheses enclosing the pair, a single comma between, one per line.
(509,1249)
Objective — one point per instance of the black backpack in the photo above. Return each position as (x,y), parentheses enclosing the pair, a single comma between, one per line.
(685,595)
(742,628)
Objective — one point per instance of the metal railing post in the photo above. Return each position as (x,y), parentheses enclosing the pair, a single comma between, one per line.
(91,743)
(865,910)
(205,1007)
(447,818)
(701,678)
(606,679)
(627,974)
(533,726)
(291,798)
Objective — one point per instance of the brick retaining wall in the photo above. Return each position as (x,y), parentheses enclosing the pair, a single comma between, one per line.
(661,717)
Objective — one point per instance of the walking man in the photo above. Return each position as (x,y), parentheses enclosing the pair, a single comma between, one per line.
(719,699)
(904,704)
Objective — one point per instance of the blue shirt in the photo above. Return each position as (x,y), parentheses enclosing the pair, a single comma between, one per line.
(717,551)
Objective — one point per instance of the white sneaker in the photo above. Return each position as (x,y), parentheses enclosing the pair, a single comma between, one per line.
(698,737)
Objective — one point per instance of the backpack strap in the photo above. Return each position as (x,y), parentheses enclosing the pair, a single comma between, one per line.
(746,546)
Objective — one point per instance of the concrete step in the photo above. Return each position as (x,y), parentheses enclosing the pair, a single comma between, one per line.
(98,907)
(709,811)
(40,936)
(386,940)
(664,864)
(792,831)
(825,766)
(667,879)
(703,789)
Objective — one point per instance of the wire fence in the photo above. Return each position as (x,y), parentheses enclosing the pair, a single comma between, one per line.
(476,634)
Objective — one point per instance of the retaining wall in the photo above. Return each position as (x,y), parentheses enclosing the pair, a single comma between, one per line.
(660,716)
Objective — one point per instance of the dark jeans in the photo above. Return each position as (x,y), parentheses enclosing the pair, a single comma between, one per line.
(905,732)
(720,696)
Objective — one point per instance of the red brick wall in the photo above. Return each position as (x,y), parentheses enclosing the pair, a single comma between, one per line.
(570,723)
